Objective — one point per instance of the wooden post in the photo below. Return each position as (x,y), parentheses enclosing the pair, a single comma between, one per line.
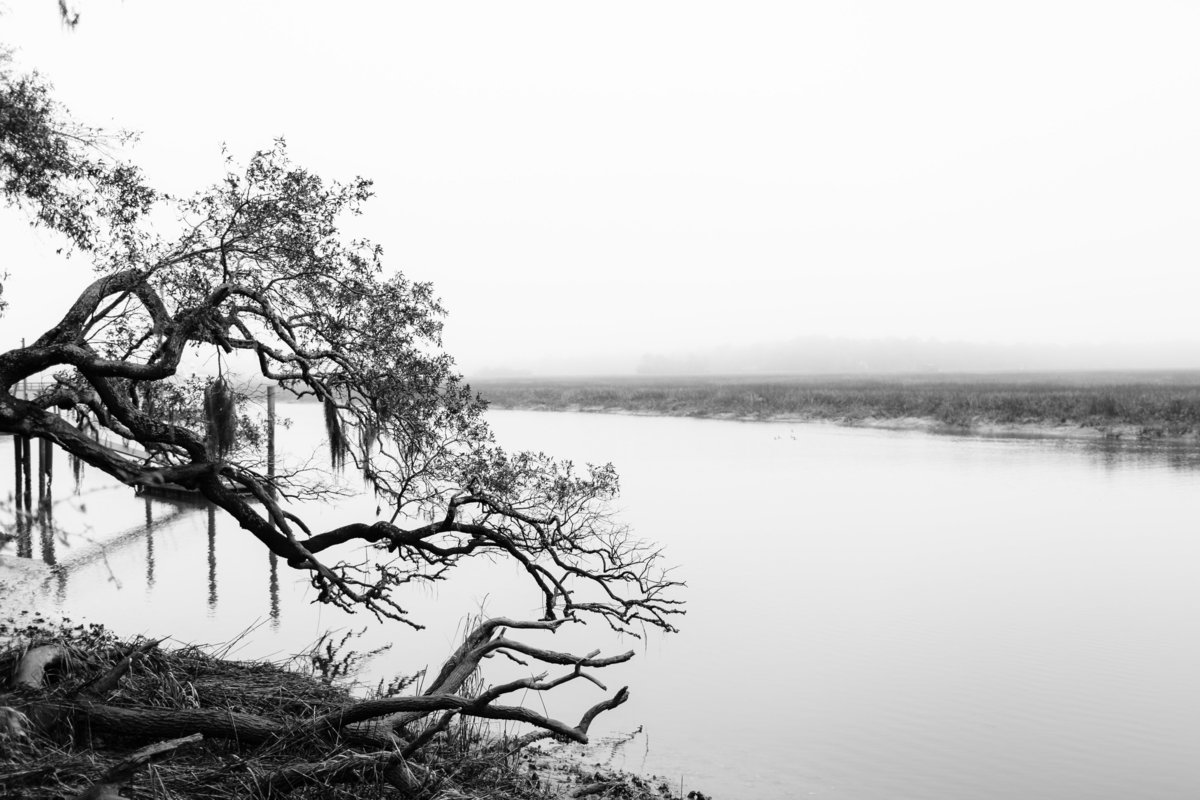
(41,448)
(16,440)
(48,450)
(21,489)
(27,473)
(271,438)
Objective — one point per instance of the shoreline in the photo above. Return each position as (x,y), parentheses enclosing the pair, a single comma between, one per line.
(1126,433)
(261,712)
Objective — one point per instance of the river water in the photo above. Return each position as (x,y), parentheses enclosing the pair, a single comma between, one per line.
(872,614)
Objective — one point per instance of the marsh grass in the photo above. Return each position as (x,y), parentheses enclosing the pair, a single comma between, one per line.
(1155,404)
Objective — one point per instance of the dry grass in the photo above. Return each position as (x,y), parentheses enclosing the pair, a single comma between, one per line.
(62,764)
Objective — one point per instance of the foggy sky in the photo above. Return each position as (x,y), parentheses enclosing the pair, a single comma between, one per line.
(587,184)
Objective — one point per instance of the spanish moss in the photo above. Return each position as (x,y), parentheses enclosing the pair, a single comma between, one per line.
(84,425)
(368,436)
(76,464)
(220,413)
(337,439)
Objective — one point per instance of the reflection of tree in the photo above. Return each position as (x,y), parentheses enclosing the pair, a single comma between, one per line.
(149,544)
(273,589)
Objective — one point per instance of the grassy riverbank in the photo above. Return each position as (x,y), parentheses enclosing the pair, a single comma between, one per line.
(1124,405)
(78,707)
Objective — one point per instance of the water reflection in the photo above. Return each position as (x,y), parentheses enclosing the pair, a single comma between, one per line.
(84,541)
(26,517)
(76,554)
(1112,453)
(24,532)
(968,617)
(45,523)
(86,551)
(1184,457)
(149,544)
(59,579)
(212,558)
(273,590)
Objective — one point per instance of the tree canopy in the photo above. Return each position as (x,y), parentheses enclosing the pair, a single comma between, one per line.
(256,267)
(59,169)
(257,270)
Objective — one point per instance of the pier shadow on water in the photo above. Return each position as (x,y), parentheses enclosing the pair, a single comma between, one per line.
(85,534)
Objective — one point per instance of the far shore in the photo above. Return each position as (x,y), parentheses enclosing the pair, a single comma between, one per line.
(1121,407)
(1033,429)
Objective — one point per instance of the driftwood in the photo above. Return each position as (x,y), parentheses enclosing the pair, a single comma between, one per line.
(31,669)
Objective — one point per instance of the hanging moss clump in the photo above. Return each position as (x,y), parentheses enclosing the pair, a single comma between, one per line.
(85,428)
(368,436)
(76,464)
(337,439)
(220,413)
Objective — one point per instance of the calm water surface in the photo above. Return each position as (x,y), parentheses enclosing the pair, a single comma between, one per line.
(872,614)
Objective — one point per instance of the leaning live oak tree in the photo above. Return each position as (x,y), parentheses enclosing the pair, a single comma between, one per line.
(256,270)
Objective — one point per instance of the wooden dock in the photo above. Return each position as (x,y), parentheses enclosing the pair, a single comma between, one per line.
(175,493)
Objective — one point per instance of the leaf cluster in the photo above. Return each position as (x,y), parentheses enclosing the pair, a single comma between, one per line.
(61,170)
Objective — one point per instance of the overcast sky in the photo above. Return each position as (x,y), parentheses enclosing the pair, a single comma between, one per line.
(617,178)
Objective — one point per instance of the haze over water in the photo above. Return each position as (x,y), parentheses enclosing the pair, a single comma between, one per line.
(871,614)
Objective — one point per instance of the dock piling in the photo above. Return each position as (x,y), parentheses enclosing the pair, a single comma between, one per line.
(26,472)
(41,448)
(17,470)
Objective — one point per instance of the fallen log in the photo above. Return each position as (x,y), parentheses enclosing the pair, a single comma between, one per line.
(157,723)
